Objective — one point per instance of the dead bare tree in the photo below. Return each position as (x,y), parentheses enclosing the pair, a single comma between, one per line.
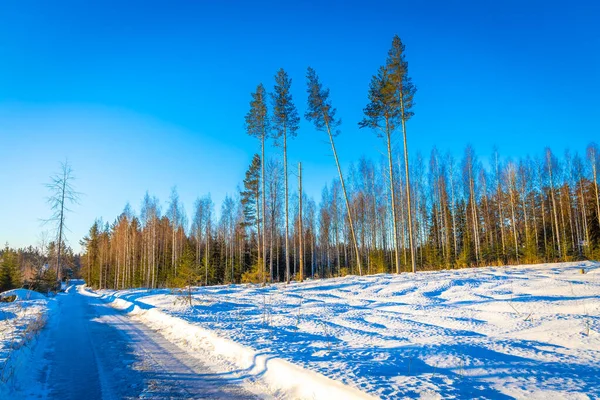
(62,196)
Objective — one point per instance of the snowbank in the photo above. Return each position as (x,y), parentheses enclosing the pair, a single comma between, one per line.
(282,377)
(20,323)
(522,331)
(22,294)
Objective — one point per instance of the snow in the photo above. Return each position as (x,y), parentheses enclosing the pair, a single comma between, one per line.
(495,332)
(22,294)
(89,350)
(20,323)
(273,377)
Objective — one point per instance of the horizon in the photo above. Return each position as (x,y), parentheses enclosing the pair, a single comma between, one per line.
(133,112)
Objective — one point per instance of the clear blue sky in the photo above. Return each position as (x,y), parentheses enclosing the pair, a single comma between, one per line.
(145,95)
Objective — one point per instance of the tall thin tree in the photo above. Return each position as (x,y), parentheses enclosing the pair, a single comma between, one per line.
(592,153)
(62,196)
(322,114)
(257,125)
(549,166)
(404,92)
(300,225)
(382,114)
(285,122)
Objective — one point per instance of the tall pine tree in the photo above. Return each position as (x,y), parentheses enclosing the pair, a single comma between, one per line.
(404,91)
(257,125)
(382,114)
(322,114)
(285,122)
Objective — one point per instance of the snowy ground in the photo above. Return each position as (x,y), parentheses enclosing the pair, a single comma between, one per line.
(20,323)
(88,350)
(514,332)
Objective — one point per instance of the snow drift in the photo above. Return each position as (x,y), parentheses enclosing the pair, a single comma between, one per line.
(283,378)
(20,323)
(22,294)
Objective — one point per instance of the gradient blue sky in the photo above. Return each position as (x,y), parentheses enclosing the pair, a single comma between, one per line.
(145,95)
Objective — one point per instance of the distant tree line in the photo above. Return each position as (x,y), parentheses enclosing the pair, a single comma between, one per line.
(382,216)
(35,267)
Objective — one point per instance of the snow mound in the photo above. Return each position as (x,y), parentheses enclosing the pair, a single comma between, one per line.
(20,323)
(22,294)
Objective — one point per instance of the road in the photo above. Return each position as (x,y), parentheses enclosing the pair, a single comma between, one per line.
(93,351)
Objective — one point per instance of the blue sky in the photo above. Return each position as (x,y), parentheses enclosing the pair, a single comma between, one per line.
(145,95)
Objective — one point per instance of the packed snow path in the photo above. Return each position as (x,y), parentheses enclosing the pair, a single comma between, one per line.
(95,352)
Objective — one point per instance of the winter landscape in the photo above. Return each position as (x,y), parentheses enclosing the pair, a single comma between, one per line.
(184,215)
(496,332)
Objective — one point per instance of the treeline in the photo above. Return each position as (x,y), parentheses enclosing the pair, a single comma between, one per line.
(35,267)
(382,216)
(536,209)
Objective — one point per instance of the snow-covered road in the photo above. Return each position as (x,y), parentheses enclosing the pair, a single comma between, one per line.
(92,351)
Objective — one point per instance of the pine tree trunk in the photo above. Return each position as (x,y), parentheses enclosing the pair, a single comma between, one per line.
(393,196)
(413,261)
(337,163)
(285,173)
(557,231)
(512,210)
(259,263)
(264,202)
(300,228)
(595,177)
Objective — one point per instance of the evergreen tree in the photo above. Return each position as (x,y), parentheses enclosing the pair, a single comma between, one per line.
(10,274)
(322,114)
(397,67)
(251,193)
(382,114)
(257,125)
(285,122)
(90,244)
(187,273)
(250,202)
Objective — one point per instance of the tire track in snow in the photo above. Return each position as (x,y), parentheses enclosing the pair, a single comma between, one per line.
(95,352)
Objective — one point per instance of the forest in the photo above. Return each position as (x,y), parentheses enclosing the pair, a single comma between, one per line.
(30,266)
(538,209)
(378,216)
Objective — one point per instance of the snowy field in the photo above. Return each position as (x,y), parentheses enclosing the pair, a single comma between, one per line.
(512,332)
(20,323)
